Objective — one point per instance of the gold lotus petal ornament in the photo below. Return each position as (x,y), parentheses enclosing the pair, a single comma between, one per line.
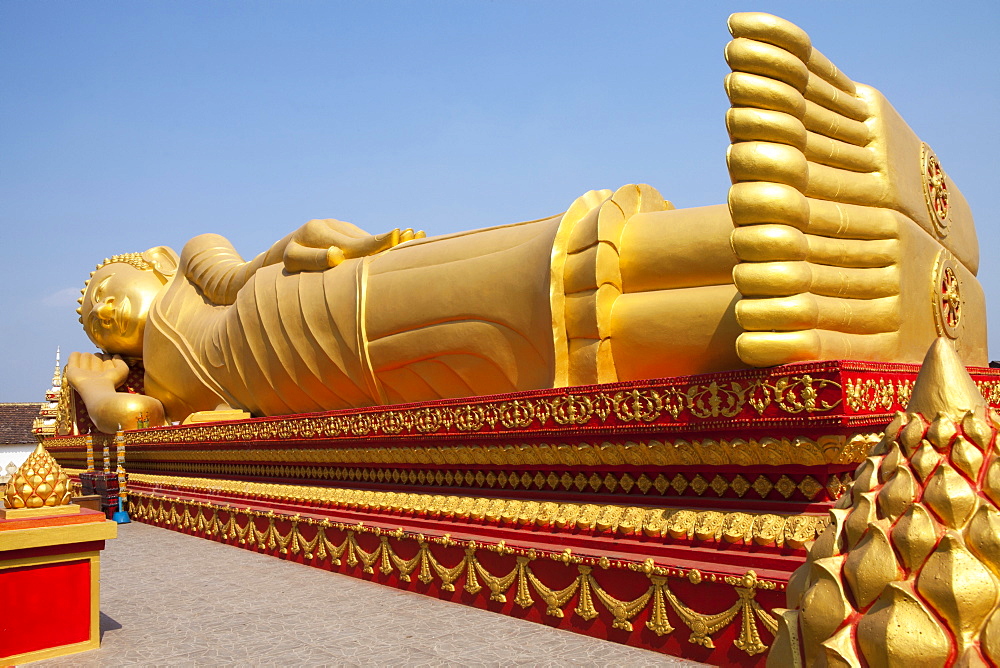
(991,484)
(950,497)
(941,431)
(898,493)
(865,478)
(871,565)
(983,536)
(899,631)
(967,458)
(977,428)
(39,483)
(890,462)
(829,542)
(840,651)
(860,518)
(991,637)
(914,536)
(959,587)
(925,459)
(912,433)
(824,605)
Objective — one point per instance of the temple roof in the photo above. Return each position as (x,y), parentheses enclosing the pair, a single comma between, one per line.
(16,421)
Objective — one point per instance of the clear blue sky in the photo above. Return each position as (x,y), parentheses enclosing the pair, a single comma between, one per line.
(126,125)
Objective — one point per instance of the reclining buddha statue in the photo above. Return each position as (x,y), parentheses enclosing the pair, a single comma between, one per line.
(842,238)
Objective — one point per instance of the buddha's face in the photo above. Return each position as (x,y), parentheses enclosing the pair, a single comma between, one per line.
(115,307)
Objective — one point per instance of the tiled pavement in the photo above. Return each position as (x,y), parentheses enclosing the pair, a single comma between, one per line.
(168,599)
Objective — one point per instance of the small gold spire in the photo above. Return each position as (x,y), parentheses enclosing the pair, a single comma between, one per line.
(57,374)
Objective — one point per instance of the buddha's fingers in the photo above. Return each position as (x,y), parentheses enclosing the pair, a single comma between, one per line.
(324,233)
(78,360)
(371,244)
(298,258)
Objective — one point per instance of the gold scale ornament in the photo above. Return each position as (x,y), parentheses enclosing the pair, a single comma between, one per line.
(39,483)
(908,571)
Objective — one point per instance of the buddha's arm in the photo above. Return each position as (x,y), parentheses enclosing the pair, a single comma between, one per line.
(95,378)
(211,262)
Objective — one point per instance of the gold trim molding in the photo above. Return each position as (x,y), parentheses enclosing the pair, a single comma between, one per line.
(766,529)
(767,451)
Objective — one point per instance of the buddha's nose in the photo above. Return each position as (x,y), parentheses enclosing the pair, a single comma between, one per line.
(106,311)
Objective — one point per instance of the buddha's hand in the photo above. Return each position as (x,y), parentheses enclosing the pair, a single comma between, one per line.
(86,370)
(95,377)
(321,244)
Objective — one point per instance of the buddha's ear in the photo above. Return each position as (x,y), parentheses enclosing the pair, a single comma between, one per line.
(164,261)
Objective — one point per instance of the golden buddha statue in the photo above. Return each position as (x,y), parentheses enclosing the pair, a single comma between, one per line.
(843,238)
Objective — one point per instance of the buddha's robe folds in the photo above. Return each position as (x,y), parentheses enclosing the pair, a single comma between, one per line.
(459,315)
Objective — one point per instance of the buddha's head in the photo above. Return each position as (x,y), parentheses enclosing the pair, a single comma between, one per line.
(117,297)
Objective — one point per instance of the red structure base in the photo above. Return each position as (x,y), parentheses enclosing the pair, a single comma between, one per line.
(50,579)
(666,514)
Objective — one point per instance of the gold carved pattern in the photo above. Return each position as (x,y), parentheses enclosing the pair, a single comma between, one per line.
(877,395)
(64,413)
(935,190)
(946,296)
(990,389)
(761,529)
(195,516)
(765,451)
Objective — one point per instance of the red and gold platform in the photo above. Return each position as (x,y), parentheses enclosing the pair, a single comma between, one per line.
(50,578)
(665,514)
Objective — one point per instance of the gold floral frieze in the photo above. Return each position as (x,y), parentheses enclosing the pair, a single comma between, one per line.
(471,575)
(720,400)
(886,394)
(877,394)
(767,529)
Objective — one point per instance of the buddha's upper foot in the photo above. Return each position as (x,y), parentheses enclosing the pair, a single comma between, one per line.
(844,219)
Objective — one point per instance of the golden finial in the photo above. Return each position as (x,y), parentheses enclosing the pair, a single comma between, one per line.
(39,487)
(57,374)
